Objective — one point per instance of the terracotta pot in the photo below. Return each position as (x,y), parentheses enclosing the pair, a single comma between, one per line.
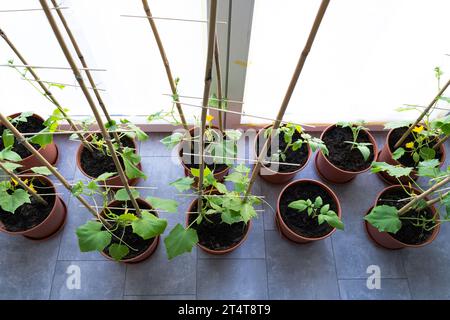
(385,155)
(290,234)
(49,152)
(149,251)
(114,180)
(52,224)
(387,241)
(274,176)
(219,176)
(331,172)
(218,252)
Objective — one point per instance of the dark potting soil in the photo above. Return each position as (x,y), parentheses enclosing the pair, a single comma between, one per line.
(300,222)
(299,156)
(217,235)
(192,161)
(130,238)
(96,163)
(408,233)
(31,126)
(341,154)
(407,159)
(31,214)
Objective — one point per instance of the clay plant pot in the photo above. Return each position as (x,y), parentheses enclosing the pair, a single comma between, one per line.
(385,155)
(114,180)
(384,239)
(151,249)
(218,252)
(273,176)
(332,173)
(49,152)
(52,224)
(219,176)
(288,232)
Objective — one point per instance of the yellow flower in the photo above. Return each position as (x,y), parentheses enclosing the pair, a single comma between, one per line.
(209,118)
(14,182)
(299,128)
(418,129)
(32,187)
(410,145)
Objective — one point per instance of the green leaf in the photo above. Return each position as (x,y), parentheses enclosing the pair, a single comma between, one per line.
(398,153)
(428,168)
(384,218)
(10,202)
(318,202)
(91,237)
(140,134)
(333,220)
(247,212)
(41,170)
(365,151)
(221,188)
(105,176)
(325,209)
(242,169)
(149,226)
(427,153)
(8,138)
(122,194)
(163,204)
(43,138)
(183,184)
(131,160)
(118,251)
(234,135)
(171,141)
(299,205)
(416,157)
(8,154)
(180,240)
(11,165)
(395,171)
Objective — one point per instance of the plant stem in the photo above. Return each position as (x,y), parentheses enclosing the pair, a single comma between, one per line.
(423,114)
(219,80)
(290,90)
(86,70)
(165,62)
(421,196)
(91,103)
(47,92)
(208,79)
(34,194)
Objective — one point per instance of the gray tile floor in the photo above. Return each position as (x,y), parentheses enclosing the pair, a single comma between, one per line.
(267,266)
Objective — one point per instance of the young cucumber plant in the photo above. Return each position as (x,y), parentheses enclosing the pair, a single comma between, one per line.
(108,233)
(318,210)
(289,130)
(356,128)
(230,204)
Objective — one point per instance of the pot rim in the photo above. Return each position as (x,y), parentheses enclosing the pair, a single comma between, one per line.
(372,140)
(433,209)
(277,172)
(323,186)
(223,251)
(48,183)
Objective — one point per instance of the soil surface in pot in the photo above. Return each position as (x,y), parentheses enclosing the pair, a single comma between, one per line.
(192,161)
(31,126)
(341,154)
(300,222)
(130,238)
(407,159)
(31,214)
(408,233)
(299,156)
(217,235)
(96,163)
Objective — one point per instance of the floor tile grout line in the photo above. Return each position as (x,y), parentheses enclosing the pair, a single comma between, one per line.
(266,257)
(402,254)
(335,268)
(364,279)
(125,283)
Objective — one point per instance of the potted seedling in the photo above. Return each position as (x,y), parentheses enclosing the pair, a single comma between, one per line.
(288,153)
(224,219)
(37,131)
(410,142)
(29,204)
(351,151)
(117,231)
(99,161)
(404,216)
(307,210)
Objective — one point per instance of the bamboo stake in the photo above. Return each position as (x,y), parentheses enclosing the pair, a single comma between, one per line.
(30,148)
(423,114)
(421,196)
(91,103)
(34,194)
(437,199)
(208,78)
(219,80)
(440,142)
(165,62)
(88,73)
(47,92)
(290,90)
